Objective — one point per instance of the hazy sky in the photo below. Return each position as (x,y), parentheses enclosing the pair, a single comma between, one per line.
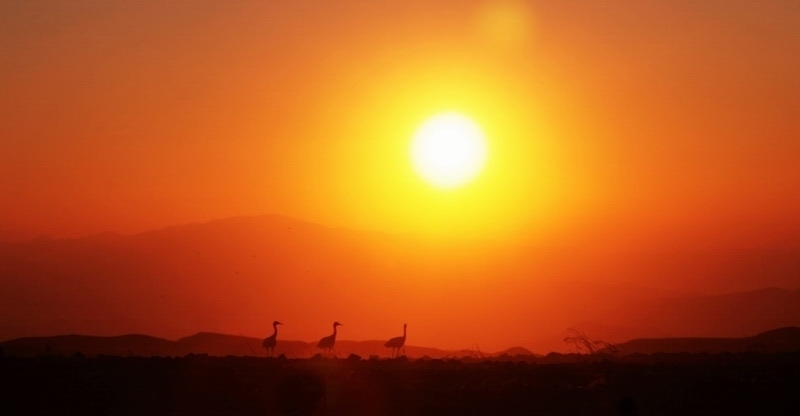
(632,146)
(646,115)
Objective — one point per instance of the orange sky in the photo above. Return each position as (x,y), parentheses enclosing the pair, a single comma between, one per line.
(138,115)
(604,119)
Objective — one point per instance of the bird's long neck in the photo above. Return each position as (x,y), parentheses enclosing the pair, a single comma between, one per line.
(275,330)
(334,331)
(404,332)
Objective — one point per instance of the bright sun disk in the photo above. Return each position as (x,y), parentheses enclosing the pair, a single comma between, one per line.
(448,150)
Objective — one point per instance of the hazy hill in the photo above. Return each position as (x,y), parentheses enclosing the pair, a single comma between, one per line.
(123,345)
(778,340)
(237,275)
(203,343)
(730,315)
(516,352)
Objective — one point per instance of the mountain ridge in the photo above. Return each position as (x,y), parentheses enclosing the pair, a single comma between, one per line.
(225,275)
(786,339)
(778,340)
(215,344)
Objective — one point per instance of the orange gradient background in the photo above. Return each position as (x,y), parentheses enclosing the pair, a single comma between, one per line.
(608,124)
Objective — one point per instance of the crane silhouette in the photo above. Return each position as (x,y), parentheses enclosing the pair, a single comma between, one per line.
(397,342)
(270,341)
(326,343)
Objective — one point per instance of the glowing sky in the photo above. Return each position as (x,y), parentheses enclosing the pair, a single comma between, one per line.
(607,123)
(134,115)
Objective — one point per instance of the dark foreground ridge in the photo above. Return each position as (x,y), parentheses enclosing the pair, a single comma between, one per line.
(215,345)
(775,341)
(662,384)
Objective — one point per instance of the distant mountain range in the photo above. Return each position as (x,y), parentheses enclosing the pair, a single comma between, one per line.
(775,341)
(237,275)
(216,345)
(731,315)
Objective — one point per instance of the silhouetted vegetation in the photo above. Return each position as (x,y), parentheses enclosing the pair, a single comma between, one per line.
(559,384)
(582,343)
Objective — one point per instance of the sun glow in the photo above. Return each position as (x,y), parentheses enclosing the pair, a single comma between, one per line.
(448,150)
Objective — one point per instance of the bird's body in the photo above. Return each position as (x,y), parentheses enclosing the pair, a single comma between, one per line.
(326,343)
(398,342)
(270,341)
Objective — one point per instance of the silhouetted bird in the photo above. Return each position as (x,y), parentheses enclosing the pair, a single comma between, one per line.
(327,342)
(398,342)
(270,341)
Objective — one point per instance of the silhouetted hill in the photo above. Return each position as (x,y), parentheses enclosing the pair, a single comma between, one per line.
(66,345)
(731,315)
(778,340)
(516,352)
(202,343)
(237,275)
(213,344)
(220,345)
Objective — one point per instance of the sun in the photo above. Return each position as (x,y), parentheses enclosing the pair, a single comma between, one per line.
(448,150)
